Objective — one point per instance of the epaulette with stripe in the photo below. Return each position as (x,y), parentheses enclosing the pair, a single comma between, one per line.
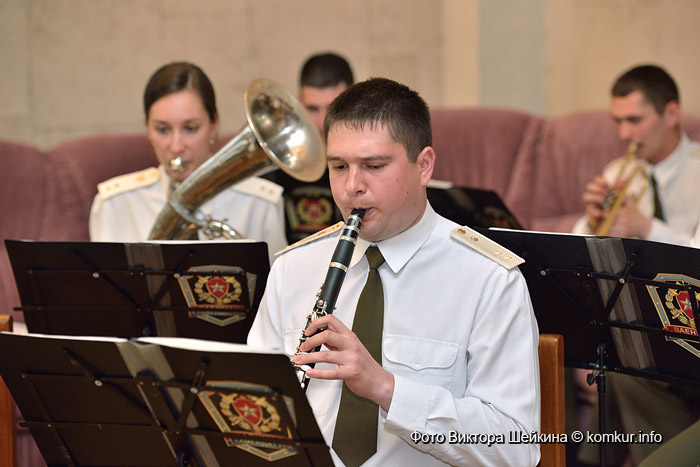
(486,247)
(261,188)
(313,237)
(127,182)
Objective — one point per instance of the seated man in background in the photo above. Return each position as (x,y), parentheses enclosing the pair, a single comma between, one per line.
(660,204)
(420,350)
(182,124)
(309,207)
(323,77)
(646,108)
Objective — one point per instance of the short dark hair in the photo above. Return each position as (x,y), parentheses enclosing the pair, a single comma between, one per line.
(326,70)
(382,102)
(175,77)
(654,82)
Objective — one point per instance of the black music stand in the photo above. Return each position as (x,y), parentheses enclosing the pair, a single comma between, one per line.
(113,402)
(206,290)
(619,303)
(470,206)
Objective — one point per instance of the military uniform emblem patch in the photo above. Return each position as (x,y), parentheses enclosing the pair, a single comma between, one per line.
(675,309)
(218,294)
(309,209)
(314,212)
(247,409)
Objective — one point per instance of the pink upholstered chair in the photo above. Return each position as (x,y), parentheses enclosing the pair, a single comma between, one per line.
(566,154)
(31,194)
(30,207)
(478,147)
(91,160)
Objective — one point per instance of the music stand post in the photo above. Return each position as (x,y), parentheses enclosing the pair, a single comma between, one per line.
(604,294)
(598,377)
(113,402)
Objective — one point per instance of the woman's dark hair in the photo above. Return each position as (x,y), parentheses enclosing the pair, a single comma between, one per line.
(178,76)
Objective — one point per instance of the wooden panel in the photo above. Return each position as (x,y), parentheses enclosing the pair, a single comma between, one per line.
(551,353)
(8,445)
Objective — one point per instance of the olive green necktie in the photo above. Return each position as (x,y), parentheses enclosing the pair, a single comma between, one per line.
(355,437)
(658,211)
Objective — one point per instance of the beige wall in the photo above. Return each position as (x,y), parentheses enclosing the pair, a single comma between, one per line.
(75,67)
(559,56)
(590,42)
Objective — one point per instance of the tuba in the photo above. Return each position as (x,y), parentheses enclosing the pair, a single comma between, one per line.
(278,132)
(631,168)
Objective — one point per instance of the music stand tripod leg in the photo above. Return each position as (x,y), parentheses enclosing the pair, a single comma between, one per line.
(599,377)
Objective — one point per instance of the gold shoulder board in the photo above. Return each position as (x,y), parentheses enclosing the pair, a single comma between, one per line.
(127,182)
(260,188)
(487,247)
(312,237)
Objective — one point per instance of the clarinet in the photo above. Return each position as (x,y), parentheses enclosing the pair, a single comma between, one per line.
(327,295)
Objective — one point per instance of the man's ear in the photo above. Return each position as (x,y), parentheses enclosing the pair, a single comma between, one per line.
(426,164)
(672,114)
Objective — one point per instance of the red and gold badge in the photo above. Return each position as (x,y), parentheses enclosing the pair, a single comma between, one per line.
(218,294)
(675,307)
(247,409)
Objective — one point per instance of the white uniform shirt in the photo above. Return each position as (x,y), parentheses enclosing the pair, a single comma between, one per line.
(677,181)
(126,207)
(695,241)
(459,335)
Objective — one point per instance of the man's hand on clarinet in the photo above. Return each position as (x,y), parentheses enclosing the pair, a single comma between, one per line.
(363,375)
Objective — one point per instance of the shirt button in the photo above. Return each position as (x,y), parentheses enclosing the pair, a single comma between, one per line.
(417,359)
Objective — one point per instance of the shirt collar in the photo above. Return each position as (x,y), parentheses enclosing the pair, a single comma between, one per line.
(665,169)
(397,250)
(164,180)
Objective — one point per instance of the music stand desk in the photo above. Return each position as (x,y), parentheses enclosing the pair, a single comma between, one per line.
(157,402)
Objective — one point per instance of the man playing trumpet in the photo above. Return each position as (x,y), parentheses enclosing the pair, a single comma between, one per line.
(655,204)
(658,203)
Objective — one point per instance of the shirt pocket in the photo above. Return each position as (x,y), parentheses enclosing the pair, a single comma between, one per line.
(421,359)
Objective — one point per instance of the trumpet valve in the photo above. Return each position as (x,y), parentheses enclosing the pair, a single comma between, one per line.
(609,200)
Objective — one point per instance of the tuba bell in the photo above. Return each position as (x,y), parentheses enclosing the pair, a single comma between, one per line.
(278,132)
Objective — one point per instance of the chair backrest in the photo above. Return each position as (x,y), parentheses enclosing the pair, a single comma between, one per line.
(551,353)
(478,147)
(8,443)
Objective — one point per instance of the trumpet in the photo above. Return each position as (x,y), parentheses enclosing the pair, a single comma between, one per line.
(327,295)
(630,168)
